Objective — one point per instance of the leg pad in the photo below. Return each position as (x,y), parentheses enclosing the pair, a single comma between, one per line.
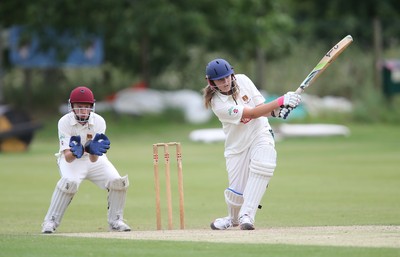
(234,201)
(259,177)
(62,197)
(117,189)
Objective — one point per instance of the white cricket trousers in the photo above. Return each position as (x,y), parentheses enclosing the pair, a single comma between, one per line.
(99,172)
(261,150)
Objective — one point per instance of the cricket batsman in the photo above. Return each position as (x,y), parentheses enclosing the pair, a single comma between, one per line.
(250,154)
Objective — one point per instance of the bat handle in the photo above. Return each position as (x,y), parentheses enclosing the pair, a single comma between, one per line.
(299,91)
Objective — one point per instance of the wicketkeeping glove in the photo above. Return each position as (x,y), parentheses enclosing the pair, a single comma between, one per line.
(99,145)
(75,146)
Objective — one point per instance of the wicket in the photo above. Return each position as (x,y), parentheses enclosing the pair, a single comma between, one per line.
(168,183)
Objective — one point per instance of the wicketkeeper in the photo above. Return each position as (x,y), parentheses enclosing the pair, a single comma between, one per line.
(249,146)
(82,155)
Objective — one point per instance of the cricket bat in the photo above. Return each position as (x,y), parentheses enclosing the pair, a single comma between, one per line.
(328,58)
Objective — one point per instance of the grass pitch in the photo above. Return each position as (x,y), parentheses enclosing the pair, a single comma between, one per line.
(331,181)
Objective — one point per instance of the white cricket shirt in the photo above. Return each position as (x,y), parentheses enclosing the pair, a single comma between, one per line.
(239,133)
(68,126)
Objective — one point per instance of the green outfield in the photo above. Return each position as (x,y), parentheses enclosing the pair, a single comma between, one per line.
(331,181)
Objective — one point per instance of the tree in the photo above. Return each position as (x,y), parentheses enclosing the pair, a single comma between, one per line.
(373,24)
(329,20)
(148,35)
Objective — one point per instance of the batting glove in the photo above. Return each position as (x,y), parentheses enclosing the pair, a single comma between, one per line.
(99,145)
(282,112)
(75,146)
(290,99)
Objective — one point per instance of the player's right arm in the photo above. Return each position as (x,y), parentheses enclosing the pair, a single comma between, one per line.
(69,156)
(64,136)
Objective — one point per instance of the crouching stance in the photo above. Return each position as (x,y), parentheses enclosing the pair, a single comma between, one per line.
(249,146)
(82,155)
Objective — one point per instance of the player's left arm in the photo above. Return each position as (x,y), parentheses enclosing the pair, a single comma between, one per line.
(290,99)
(98,146)
(100,143)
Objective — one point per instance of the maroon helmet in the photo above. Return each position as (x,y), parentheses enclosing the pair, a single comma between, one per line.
(81,95)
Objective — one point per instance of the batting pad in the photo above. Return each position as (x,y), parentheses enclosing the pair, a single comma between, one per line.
(116,198)
(62,197)
(234,201)
(259,177)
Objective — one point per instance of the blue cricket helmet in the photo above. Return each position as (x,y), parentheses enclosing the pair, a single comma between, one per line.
(218,69)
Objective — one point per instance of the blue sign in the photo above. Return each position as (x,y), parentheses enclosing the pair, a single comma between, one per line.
(53,50)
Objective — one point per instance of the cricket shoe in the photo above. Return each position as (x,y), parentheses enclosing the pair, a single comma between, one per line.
(246,222)
(49,227)
(223,223)
(119,226)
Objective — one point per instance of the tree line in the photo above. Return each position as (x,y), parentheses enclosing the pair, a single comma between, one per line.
(145,36)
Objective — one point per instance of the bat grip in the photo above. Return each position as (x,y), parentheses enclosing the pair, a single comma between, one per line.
(299,91)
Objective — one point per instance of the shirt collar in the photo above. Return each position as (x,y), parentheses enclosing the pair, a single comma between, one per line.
(223,97)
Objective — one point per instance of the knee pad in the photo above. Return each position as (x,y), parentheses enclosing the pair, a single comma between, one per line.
(67,186)
(262,168)
(119,184)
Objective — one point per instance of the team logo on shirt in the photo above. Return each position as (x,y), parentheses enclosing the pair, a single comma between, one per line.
(89,137)
(62,137)
(245,98)
(233,110)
